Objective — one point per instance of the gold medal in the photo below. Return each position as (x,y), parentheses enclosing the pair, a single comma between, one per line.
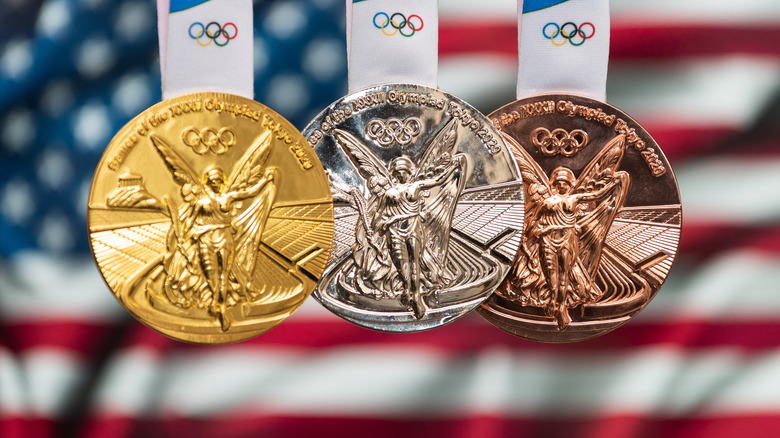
(210,218)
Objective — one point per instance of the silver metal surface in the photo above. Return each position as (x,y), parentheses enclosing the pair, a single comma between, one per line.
(428,207)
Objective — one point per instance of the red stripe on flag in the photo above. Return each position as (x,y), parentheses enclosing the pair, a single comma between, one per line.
(464,336)
(16,427)
(682,142)
(627,42)
(643,41)
(702,241)
(467,426)
(70,335)
(477,37)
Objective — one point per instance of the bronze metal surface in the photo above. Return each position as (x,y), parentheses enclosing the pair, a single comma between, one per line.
(210,218)
(602,225)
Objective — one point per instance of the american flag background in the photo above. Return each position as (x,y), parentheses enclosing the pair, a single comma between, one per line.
(702,360)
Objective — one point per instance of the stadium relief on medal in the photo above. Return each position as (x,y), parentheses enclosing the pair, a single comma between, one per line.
(428,210)
(603,220)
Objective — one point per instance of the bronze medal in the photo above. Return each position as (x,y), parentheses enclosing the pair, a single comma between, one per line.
(602,222)
(210,218)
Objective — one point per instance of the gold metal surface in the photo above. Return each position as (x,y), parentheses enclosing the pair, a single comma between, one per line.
(210,218)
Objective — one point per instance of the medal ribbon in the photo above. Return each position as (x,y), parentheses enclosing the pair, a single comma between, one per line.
(563,47)
(392,41)
(206,45)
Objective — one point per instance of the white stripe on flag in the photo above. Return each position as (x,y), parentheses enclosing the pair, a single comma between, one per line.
(723,92)
(480,80)
(730,190)
(40,286)
(735,286)
(138,374)
(13,395)
(689,12)
(39,382)
(469,10)
(693,12)
(365,382)
(725,191)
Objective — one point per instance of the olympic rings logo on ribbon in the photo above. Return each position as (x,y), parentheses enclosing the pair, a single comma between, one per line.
(394,131)
(559,141)
(213,32)
(399,26)
(570,32)
(209,139)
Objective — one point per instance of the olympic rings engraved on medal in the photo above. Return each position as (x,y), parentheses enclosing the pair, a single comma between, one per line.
(559,141)
(220,35)
(397,26)
(209,139)
(394,131)
(570,32)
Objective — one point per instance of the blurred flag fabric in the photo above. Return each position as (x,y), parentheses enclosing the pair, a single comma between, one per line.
(702,360)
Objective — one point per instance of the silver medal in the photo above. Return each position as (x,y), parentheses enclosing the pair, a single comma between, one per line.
(428,207)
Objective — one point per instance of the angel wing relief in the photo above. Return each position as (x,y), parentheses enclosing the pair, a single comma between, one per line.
(403,230)
(567,221)
(428,207)
(220,258)
(602,225)
(211,248)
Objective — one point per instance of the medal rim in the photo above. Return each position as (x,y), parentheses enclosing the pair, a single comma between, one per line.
(182,335)
(389,322)
(497,315)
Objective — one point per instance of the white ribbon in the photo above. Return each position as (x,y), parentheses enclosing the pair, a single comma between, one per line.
(392,41)
(206,45)
(563,47)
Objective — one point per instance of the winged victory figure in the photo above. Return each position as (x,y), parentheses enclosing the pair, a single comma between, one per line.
(214,238)
(405,215)
(567,220)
